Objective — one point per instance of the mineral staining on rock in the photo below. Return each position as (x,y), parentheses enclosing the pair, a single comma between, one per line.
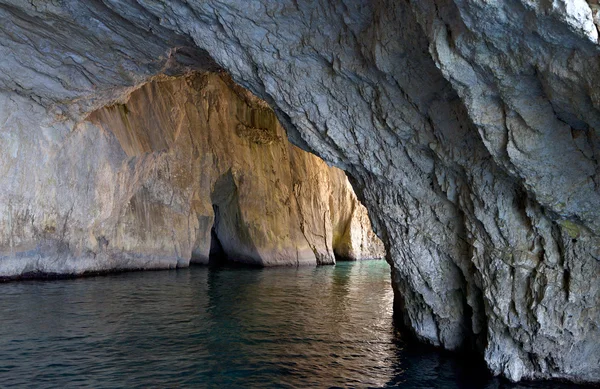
(467,127)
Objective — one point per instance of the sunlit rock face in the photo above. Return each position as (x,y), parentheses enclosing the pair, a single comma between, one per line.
(182,166)
(468,128)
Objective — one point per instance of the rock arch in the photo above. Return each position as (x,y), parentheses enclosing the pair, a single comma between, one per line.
(468,129)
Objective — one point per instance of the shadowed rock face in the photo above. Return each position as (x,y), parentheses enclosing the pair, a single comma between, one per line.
(468,128)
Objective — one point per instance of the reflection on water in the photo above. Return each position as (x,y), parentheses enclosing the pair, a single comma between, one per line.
(200,327)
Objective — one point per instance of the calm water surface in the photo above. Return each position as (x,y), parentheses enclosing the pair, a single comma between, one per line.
(228,327)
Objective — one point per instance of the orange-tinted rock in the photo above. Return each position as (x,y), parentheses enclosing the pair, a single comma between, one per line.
(212,155)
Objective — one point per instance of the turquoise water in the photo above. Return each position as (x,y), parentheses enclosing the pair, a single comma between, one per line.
(226,327)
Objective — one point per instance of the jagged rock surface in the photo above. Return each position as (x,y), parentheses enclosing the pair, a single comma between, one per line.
(468,128)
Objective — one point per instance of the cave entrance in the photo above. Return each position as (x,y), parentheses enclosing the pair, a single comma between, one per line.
(217,255)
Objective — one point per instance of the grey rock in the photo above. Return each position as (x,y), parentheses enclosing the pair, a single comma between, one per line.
(468,128)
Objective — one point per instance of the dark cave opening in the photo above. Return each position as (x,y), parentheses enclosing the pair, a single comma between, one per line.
(217,255)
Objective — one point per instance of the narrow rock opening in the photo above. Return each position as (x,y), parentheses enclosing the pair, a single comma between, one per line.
(217,255)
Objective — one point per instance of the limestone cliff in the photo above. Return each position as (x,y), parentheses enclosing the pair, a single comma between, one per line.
(468,128)
(178,165)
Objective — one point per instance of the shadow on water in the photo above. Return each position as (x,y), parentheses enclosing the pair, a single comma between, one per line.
(219,327)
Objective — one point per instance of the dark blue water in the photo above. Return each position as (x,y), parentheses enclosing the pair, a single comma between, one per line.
(200,327)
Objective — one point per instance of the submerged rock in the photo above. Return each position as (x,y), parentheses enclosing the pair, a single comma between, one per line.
(468,128)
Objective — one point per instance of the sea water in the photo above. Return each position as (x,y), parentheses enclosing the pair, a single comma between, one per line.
(322,327)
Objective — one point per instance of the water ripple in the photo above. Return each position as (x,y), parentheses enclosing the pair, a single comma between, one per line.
(200,327)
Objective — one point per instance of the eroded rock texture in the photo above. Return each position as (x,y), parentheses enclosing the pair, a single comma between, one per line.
(468,128)
(181,166)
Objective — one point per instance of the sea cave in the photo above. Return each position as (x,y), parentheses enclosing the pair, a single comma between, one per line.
(296,167)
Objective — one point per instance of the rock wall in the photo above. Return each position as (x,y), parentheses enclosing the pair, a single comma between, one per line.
(181,162)
(468,128)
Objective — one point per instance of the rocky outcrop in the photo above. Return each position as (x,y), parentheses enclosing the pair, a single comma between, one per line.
(468,129)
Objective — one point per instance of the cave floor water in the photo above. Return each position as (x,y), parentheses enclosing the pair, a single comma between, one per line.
(302,327)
